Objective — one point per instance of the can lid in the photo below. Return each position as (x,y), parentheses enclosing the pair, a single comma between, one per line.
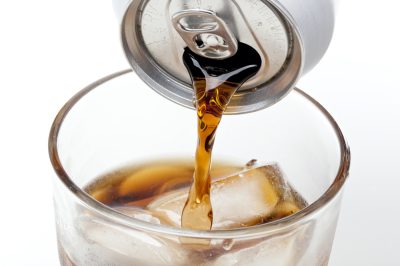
(155,33)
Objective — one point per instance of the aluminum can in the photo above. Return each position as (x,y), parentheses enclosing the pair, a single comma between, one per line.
(290,35)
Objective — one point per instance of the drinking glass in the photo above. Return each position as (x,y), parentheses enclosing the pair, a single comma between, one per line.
(118,121)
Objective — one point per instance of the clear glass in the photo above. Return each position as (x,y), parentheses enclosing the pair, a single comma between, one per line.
(118,121)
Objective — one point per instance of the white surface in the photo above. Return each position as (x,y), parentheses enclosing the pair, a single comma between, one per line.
(51,49)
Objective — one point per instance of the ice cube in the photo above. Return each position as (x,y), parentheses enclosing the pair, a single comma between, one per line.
(138,213)
(250,197)
(285,248)
(168,208)
(110,244)
(242,200)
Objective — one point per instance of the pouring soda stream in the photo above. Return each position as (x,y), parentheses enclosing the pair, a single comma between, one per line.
(214,83)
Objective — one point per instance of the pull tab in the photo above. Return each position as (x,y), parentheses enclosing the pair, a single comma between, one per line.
(205,33)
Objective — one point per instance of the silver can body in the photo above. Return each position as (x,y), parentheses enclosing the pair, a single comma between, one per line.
(292,36)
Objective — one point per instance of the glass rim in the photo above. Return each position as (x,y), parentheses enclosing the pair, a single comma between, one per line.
(247,232)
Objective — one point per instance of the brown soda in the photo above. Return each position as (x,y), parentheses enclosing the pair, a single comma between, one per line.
(158,189)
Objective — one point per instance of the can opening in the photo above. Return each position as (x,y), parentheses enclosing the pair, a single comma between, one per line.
(204,33)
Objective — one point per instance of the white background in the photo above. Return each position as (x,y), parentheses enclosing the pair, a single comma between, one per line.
(51,49)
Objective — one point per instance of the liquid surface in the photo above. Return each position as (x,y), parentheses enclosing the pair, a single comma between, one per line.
(214,82)
(241,196)
(141,184)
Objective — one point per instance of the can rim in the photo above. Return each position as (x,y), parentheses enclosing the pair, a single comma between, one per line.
(250,232)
